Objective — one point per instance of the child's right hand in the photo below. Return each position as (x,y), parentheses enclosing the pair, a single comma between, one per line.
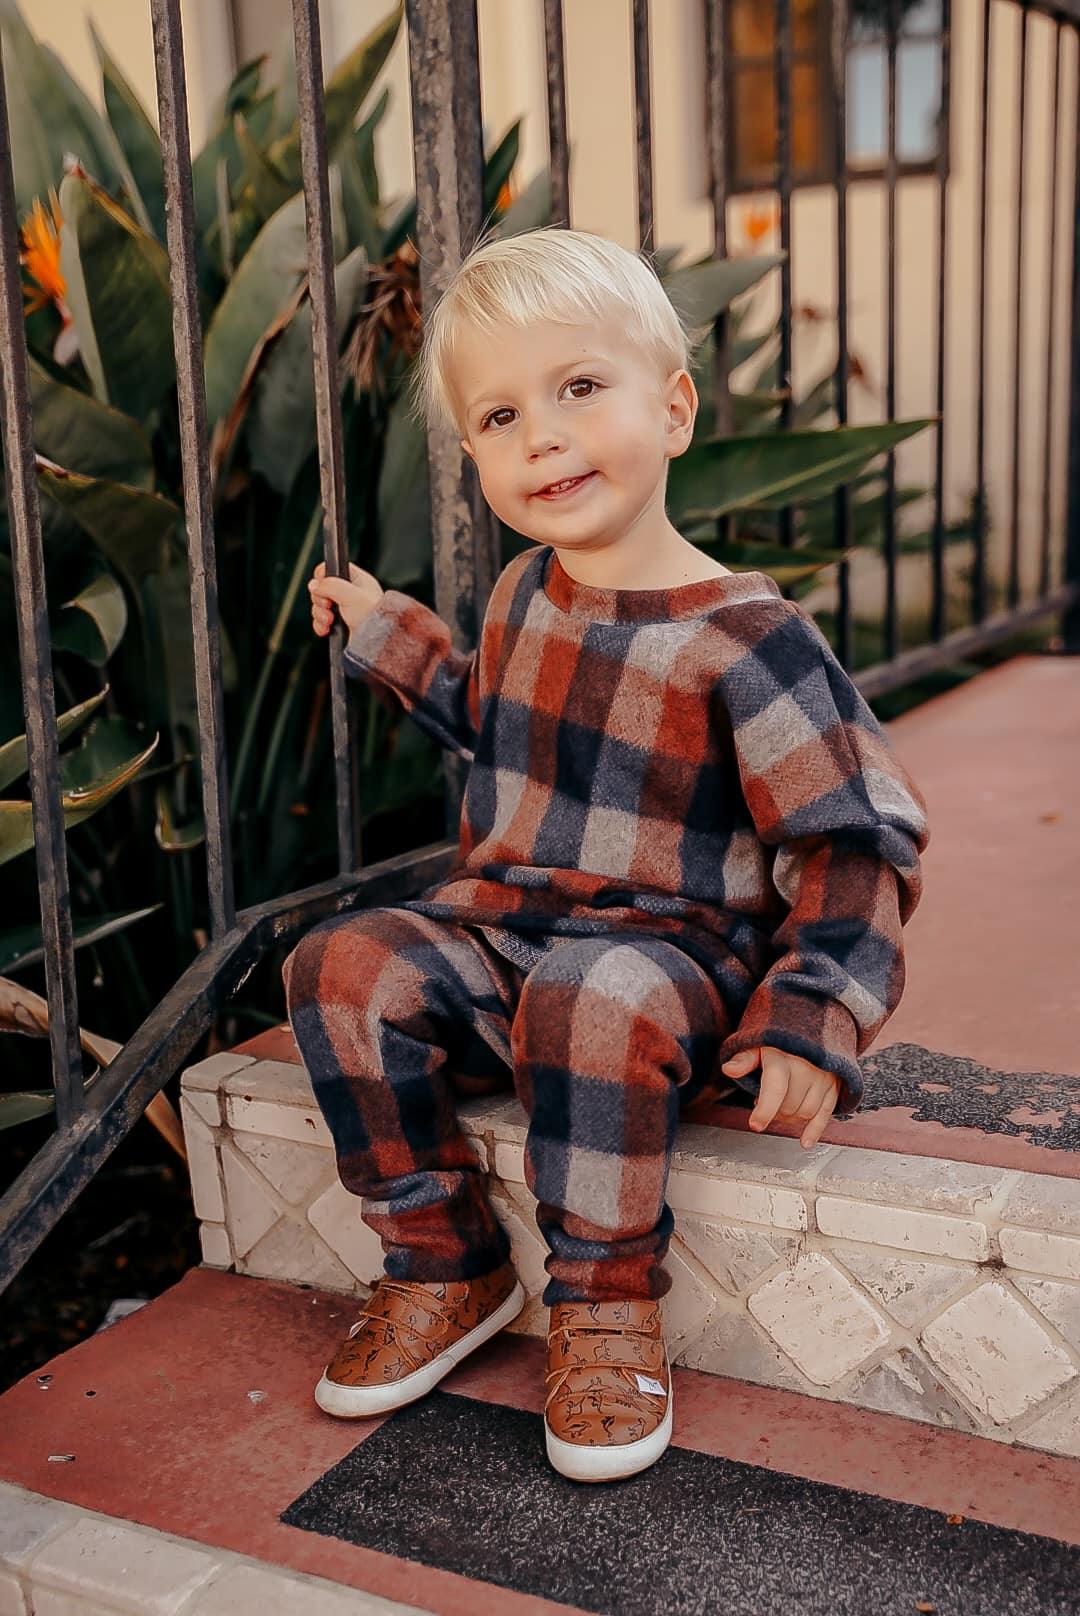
(355,598)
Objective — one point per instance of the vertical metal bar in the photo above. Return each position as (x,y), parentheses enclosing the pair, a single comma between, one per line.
(1051,302)
(35,655)
(444,73)
(1018,321)
(320,252)
(643,127)
(938,623)
(558,144)
(1071,620)
(716,49)
(782,66)
(845,637)
(198,505)
(892,619)
(978,580)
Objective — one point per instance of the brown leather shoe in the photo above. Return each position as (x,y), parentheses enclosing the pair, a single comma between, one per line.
(609,1406)
(409,1335)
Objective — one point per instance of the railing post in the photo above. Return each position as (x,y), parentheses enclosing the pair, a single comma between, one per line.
(1071,620)
(444,69)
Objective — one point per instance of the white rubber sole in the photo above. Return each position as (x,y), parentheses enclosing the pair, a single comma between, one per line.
(583,1463)
(359,1402)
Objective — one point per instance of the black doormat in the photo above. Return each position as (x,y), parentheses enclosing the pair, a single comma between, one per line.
(466,1486)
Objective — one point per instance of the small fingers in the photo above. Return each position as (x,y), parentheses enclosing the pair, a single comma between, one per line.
(772,1091)
(820,1120)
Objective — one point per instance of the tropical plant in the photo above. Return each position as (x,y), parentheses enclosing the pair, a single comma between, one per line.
(98,324)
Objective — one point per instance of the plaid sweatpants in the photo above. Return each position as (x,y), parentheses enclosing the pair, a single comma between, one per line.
(604,1039)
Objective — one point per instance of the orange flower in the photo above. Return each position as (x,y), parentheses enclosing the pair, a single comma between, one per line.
(41,256)
(505,197)
(759,222)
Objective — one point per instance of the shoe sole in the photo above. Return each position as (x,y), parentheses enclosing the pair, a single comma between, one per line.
(593,1463)
(360,1402)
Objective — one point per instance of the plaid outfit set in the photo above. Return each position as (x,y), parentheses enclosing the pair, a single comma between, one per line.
(684,834)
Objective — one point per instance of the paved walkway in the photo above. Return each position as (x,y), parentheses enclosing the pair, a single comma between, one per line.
(194,1416)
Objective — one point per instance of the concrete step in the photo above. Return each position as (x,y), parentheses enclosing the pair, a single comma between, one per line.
(176,1463)
(939,1289)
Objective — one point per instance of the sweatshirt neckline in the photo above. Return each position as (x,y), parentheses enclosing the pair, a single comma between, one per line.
(603,605)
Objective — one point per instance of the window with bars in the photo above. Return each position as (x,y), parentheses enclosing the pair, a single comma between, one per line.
(751,90)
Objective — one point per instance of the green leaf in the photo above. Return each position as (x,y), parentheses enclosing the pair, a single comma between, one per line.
(266,278)
(130,526)
(98,622)
(204,169)
(79,799)
(404,518)
(85,435)
(136,138)
(22,946)
(48,115)
(118,292)
(774,469)
(268,187)
(171,837)
(362,225)
(26,1106)
(703,290)
(13,758)
(500,164)
(345,93)
(531,209)
(281,424)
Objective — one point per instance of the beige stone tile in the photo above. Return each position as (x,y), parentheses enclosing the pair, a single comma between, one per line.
(120,1567)
(336,1217)
(291,1251)
(293,1169)
(276,1082)
(206,1103)
(509,1163)
(1041,1253)
(760,1158)
(252,1209)
(718,1197)
(51,1602)
(931,1182)
(203,1168)
(1057,1431)
(816,1315)
(688,1305)
(735,1346)
(1043,1202)
(212,1072)
(246,1590)
(510,1123)
(910,1290)
(277,1120)
(735,1254)
(905,1384)
(27,1520)
(989,1347)
(898,1226)
(1059,1302)
(481,1113)
(12,1602)
(216,1251)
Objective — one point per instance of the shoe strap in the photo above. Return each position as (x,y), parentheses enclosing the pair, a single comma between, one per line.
(440,1311)
(560,1376)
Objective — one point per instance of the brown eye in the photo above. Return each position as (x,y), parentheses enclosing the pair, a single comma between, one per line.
(582,381)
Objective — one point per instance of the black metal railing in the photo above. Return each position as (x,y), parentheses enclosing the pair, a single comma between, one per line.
(446,108)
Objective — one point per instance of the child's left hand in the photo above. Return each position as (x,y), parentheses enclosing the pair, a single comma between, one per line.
(790,1087)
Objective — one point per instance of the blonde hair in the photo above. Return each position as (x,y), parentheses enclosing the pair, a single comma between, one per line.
(551,273)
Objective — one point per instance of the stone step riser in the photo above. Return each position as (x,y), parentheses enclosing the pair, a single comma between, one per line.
(936,1290)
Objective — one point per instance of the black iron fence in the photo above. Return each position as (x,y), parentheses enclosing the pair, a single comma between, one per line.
(446,107)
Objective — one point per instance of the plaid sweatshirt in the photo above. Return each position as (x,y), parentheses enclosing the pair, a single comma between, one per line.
(692,762)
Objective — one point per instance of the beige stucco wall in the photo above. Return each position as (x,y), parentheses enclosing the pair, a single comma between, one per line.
(600,117)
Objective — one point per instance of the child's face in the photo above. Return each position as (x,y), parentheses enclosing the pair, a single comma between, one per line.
(548,402)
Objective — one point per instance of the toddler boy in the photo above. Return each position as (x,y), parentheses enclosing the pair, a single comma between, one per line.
(686,846)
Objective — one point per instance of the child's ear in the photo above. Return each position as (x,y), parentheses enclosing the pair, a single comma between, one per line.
(682,408)
(468,449)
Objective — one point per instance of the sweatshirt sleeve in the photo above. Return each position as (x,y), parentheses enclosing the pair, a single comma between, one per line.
(405,647)
(826,790)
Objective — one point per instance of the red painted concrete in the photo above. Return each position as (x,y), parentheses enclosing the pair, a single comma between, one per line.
(992,949)
(171,1438)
